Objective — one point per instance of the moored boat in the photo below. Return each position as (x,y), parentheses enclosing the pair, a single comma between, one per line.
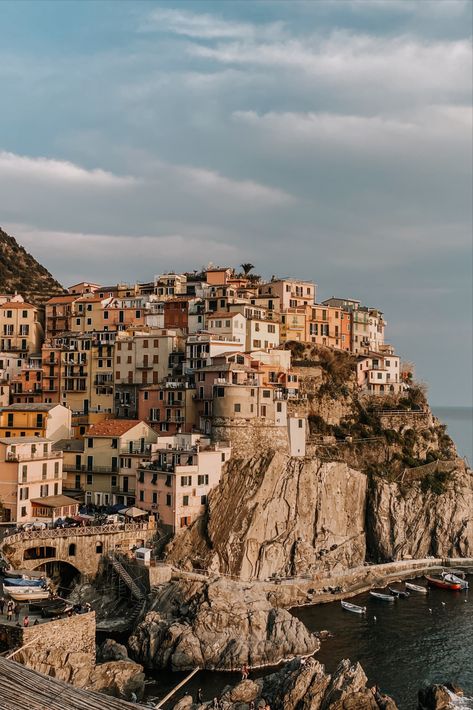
(443,584)
(416,588)
(20,582)
(25,594)
(398,593)
(455,579)
(353,608)
(383,597)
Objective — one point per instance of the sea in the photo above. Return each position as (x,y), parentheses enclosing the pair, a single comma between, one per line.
(459,421)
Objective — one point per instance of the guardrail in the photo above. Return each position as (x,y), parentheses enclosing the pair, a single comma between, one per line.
(74,532)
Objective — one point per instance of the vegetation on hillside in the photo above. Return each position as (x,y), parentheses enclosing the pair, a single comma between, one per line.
(20,272)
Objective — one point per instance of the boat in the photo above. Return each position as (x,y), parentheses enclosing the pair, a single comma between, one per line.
(398,593)
(443,584)
(416,588)
(383,597)
(11,582)
(26,594)
(353,607)
(455,578)
(23,574)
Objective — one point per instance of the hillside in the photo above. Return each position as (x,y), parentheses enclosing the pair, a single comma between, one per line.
(19,271)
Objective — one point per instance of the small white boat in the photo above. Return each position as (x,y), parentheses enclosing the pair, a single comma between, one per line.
(383,597)
(416,588)
(455,579)
(27,594)
(353,607)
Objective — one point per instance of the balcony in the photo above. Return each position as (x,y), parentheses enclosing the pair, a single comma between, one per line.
(72,468)
(144,366)
(37,456)
(135,448)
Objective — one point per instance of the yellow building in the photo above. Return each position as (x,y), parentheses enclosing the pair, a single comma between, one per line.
(52,421)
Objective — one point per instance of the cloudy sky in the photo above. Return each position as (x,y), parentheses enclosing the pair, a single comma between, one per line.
(330,140)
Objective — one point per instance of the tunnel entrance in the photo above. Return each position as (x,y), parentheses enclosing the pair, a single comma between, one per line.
(62,574)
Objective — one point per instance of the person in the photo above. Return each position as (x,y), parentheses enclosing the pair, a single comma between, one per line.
(2,604)
(10,611)
(26,621)
(16,611)
(36,622)
(200,697)
(244,672)
(216,703)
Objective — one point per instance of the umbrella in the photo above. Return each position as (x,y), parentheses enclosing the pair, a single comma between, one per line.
(134,512)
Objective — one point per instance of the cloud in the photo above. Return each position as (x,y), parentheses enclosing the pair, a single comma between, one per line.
(205,26)
(402,64)
(64,172)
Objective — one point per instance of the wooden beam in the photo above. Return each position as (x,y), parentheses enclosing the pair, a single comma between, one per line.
(174,690)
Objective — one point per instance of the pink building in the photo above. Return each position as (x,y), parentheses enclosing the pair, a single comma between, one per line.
(176,483)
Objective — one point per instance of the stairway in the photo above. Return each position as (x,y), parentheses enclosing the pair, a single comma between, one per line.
(135,587)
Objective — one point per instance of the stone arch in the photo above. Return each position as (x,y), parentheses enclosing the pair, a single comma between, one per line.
(63,573)
(40,552)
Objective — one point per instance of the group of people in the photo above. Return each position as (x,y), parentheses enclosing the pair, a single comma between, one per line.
(13,611)
(221,705)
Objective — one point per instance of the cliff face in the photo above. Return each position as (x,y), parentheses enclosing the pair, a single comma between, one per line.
(20,272)
(285,516)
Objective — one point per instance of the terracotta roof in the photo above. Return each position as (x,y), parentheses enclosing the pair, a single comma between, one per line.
(112,427)
(66,298)
(15,304)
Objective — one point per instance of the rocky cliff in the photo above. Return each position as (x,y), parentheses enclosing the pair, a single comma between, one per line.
(217,625)
(20,272)
(302,686)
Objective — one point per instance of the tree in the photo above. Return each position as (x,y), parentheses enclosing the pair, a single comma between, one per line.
(247,268)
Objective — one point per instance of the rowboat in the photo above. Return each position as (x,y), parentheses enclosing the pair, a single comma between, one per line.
(442,584)
(23,574)
(398,593)
(455,579)
(26,594)
(383,597)
(353,607)
(416,588)
(11,582)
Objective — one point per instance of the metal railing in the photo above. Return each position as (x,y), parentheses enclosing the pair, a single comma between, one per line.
(48,534)
(37,456)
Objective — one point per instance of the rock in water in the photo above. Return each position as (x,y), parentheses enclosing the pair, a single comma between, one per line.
(218,625)
(435,697)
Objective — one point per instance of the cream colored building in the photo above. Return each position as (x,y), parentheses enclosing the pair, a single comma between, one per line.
(52,421)
(228,325)
(379,373)
(261,334)
(29,470)
(21,329)
(113,450)
(292,293)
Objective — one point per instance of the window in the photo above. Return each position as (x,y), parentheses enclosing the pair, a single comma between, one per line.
(279,407)
(113,481)
(142,495)
(23,512)
(90,443)
(155,498)
(56,469)
(72,550)
(203,479)
(89,479)
(237,407)
(300,423)
(266,393)
(168,499)
(44,471)
(263,410)
(185,500)
(145,396)
(271,328)
(185,521)
(99,548)
(24,474)
(203,500)
(186,480)
(114,443)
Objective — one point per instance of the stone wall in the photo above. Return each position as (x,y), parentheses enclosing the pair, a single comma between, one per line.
(399,421)
(64,648)
(252,437)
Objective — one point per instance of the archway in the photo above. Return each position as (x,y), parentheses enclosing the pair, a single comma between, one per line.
(62,574)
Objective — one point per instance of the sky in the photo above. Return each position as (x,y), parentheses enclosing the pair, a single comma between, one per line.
(330,140)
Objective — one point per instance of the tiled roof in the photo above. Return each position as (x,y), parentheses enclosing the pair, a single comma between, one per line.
(54,501)
(9,305)
(223,314)
(37,407)
(66,298)
(112,427)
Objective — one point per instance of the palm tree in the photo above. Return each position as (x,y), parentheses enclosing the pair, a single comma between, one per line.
(247,268)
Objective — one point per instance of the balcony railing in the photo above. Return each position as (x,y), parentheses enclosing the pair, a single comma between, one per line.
(83,468)
(37,456)
(135,448)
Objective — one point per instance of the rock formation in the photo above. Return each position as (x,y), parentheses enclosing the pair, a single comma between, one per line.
(217,625)
(303,687)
